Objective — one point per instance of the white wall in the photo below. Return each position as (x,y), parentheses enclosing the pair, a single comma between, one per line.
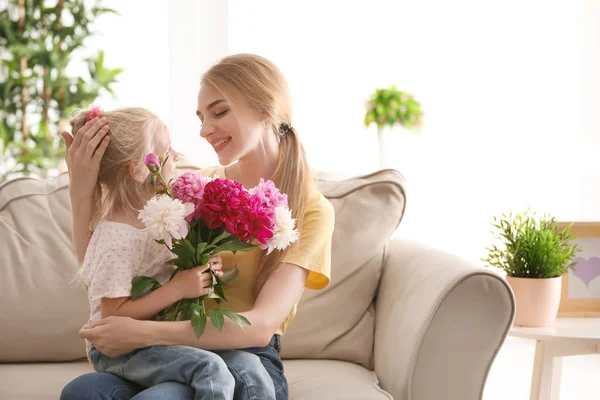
(589,35)
(198,37)
(164,47)
(500,85)
(137,41)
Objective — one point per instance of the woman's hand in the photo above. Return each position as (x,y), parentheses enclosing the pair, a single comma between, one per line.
(84,154)
(196,282)
(115,336)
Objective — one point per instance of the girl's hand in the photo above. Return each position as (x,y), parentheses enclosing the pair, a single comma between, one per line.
(196,282)
(84,154)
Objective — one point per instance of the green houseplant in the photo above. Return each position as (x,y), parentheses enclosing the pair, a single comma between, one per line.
(39,40)
(535,254)
(390,107)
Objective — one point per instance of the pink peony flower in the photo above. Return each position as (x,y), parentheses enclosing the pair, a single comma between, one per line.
(94,112)
(222,201)
(152,162)
(258,220)
(269,194)
(189,188)
(226,202)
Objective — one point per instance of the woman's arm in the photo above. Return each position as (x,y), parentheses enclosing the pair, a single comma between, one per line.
(84,154)
(115,336)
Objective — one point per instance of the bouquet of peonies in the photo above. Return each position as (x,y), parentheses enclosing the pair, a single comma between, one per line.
(197,217)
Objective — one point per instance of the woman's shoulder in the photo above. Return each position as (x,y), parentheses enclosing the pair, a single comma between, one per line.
(320,208)
(317,201)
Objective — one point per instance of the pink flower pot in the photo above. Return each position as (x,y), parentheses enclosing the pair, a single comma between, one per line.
(537,300)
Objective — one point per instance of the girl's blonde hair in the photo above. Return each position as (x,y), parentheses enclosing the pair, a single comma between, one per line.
(259,83)
(131,133)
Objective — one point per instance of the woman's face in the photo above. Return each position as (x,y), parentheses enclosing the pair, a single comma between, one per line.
(233,129)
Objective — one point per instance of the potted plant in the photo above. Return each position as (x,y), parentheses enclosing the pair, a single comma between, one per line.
(40,41)
(391,107)
(535,255)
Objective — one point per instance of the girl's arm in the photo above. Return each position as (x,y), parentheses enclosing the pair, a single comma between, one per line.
(115,336)
(184,285)
(144,307)
(84,154)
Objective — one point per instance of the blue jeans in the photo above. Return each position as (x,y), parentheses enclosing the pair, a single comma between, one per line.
(257,372)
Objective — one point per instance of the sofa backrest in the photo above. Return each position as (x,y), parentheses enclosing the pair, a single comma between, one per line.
(44,305)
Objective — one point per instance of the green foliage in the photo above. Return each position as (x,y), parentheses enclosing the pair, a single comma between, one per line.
(196,249)
(533,247)
(393,107)
(38,94)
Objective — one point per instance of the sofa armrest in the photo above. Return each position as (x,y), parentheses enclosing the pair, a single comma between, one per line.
(440,322)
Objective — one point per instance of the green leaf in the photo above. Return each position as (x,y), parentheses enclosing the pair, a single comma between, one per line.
(179,262)
(140,283)
(204,259)
(103,10)
(199,324)
(193,235)
(221,237)
(216,317)
(186,253)
(187,310)
(190,250)
(200,248)
(237,318)
(99,62)
(219,290)
(234,246)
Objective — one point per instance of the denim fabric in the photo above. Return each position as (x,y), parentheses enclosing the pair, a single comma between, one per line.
(181,372)
(202,370)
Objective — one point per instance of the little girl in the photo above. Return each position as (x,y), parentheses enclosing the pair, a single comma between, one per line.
(121,248)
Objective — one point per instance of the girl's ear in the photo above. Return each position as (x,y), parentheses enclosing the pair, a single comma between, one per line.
(132,172)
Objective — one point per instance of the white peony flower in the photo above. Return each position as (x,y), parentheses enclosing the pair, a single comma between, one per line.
(165,218)
(284,233)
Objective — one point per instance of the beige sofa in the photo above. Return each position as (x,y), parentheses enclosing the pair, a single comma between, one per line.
(399,320)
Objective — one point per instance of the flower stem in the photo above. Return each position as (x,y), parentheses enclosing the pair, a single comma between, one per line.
(201,304)
(174,316)
(164,185)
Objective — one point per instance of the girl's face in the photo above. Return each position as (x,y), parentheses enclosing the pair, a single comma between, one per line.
(163,149)
(233,129)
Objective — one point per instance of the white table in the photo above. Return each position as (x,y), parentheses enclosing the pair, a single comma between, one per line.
(568,337)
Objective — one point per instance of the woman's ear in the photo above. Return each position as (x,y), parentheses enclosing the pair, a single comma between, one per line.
(267,121)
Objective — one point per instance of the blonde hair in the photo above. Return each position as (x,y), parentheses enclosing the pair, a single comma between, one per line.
(260,84)
(131,133)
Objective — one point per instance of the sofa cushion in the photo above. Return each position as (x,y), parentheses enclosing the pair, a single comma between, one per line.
(43,305)
(46,306)
(307,379)
(339,322)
